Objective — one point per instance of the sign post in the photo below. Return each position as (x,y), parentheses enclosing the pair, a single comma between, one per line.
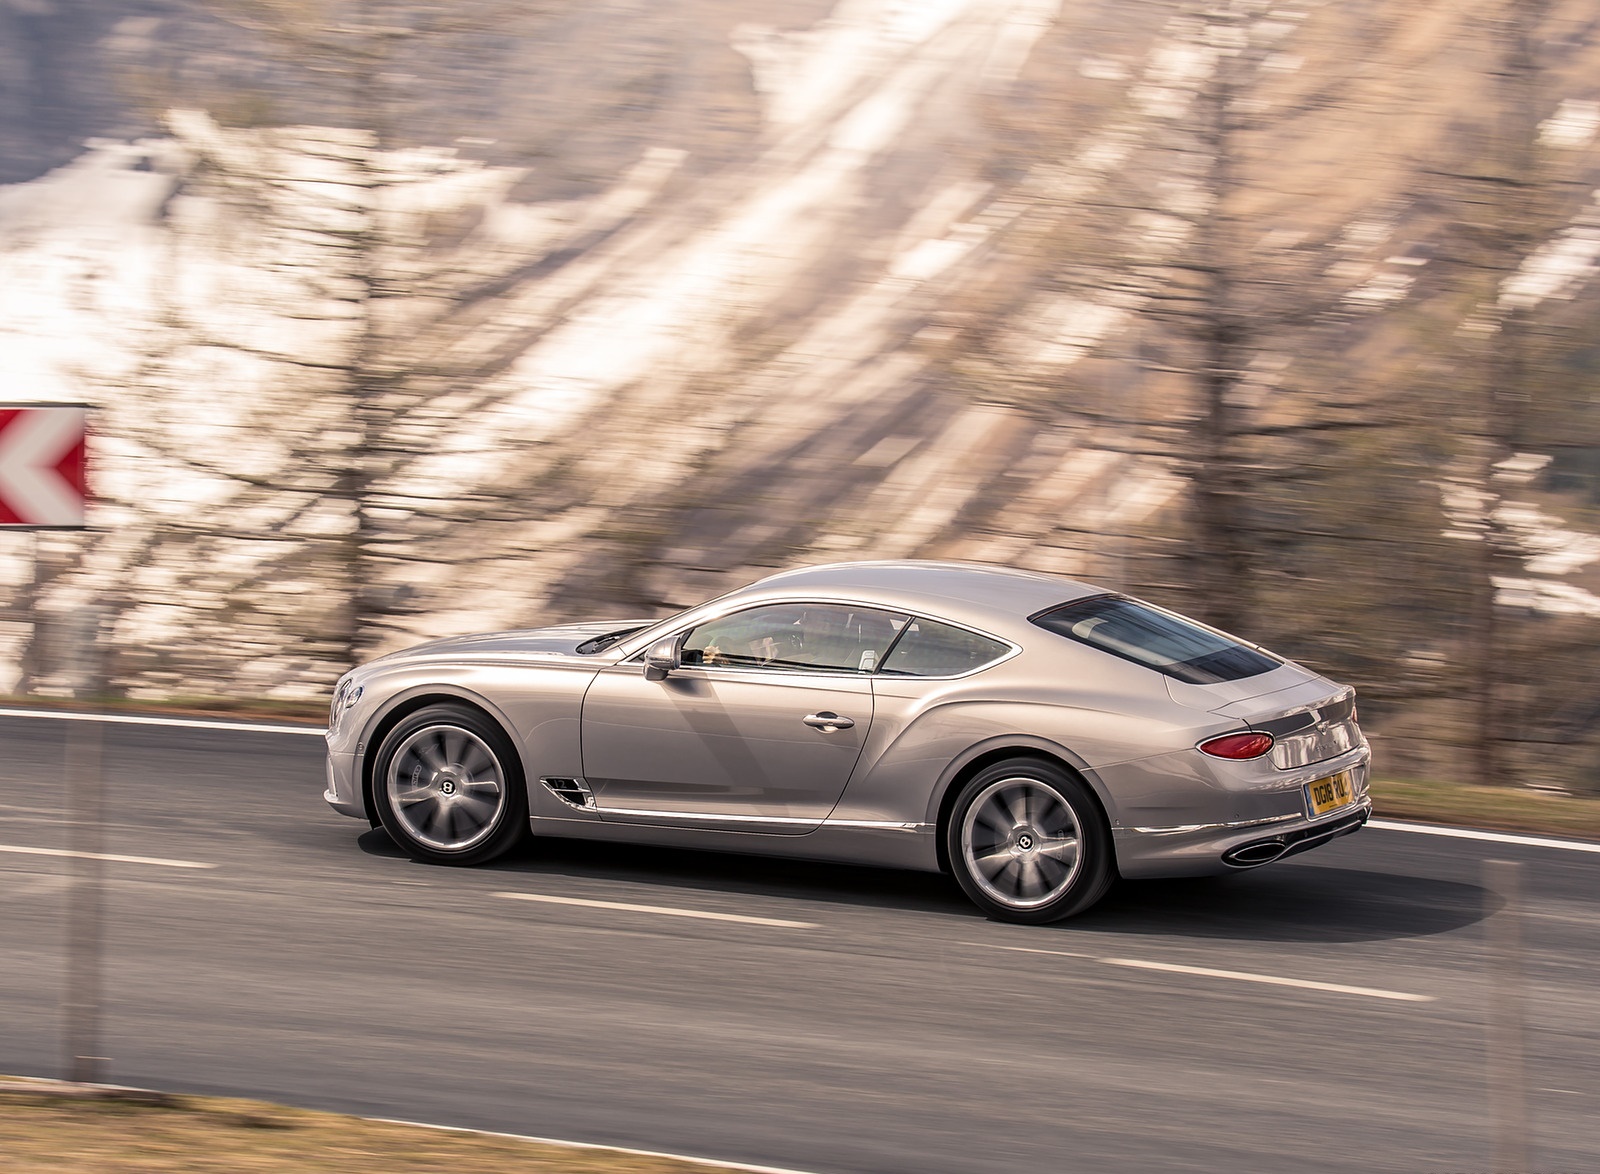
(43,454)
(1508,1091)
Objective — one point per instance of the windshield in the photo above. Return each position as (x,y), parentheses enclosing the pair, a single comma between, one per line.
(1156,639)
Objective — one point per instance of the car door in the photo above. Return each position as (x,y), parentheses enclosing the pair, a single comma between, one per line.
(758,730)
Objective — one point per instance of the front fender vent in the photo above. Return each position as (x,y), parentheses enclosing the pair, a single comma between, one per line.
(572,792)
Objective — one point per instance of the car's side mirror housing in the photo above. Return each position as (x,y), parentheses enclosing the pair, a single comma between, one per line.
(661,659)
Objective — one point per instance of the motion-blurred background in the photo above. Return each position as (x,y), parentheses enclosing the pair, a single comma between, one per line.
(406,319)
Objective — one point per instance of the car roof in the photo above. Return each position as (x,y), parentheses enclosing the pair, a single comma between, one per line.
(998,599)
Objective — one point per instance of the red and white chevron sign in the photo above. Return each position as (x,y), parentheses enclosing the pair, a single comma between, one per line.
(42,457)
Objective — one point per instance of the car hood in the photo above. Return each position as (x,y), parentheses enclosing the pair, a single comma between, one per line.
(559,641)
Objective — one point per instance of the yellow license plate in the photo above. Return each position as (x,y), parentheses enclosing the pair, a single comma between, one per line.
(1330,794)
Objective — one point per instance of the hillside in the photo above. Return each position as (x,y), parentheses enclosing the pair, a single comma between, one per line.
(663,296)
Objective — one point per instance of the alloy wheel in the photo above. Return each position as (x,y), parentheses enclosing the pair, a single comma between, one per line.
(446,787)
(1022,842)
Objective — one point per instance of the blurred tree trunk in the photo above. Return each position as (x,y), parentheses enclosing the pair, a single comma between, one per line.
(1227,298)
(1509,210)
(36,658)
(1225,340)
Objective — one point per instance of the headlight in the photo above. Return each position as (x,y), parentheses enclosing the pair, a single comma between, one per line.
(343,698)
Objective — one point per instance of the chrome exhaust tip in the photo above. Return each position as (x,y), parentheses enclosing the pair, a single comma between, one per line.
(1255,854)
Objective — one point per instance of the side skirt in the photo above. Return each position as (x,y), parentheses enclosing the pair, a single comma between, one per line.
(909,846)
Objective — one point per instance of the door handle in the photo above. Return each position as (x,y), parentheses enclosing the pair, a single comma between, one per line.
(828,722)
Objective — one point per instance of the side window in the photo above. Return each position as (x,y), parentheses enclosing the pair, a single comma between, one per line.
(932,649)
(792,637)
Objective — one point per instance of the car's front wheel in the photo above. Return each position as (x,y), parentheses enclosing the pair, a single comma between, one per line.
(1027,843)
(448,786)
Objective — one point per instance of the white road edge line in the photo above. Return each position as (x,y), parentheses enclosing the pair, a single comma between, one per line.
(131,719)
(661,910)
(714,1163)
(114,859)
(1428,829)
(1269,980)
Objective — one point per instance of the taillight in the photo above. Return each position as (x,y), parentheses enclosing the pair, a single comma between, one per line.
(1238,746)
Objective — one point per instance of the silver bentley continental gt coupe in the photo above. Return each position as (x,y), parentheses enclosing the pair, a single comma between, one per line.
(1034,736)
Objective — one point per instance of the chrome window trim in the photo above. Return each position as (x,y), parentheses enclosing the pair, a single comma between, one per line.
(802,674)
(1013,649)
(804,601)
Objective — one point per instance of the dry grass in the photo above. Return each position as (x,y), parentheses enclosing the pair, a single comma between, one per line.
(1509,809)
(52,1134)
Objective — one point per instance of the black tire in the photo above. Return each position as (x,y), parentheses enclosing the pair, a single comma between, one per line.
(448,786)
(1027,842)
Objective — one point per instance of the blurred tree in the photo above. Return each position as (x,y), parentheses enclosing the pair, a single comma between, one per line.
(1231,294)
(1510,196)
(1236,297)
(328,309)
(1212,301)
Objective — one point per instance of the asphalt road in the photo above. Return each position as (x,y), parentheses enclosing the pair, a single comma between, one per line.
(893,1029)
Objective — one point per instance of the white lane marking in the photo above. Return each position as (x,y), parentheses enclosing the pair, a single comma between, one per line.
(714,1163)
(1269,980)
(1029,950)
(114,859)
(662,910)
(1208,972)
(1428,829)
(130,719)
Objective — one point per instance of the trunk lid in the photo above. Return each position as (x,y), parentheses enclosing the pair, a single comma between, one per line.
(1235,698)
(1310,717)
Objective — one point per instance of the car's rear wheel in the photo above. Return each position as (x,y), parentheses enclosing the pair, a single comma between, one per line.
(1027,842)
(448,786)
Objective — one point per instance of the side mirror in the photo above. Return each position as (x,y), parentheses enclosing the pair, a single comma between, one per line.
(661,659)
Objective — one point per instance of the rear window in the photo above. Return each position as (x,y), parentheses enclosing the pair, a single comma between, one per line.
(931,649)
(1156,639)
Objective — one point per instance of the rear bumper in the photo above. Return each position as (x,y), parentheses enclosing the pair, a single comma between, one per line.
(1277,847)
(1210,848)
